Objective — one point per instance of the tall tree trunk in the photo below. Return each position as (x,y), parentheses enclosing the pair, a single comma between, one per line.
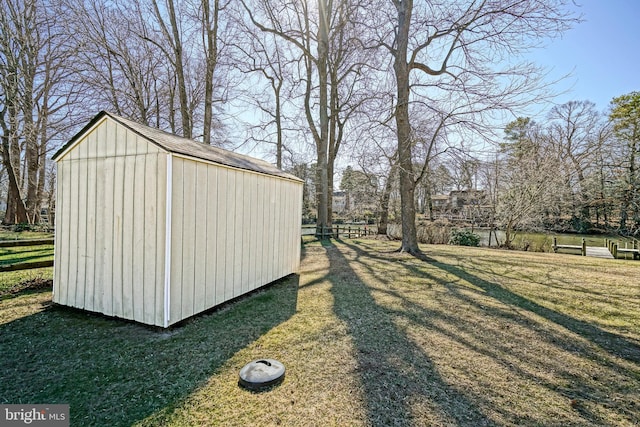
(322,149)
(405,164)
(16,210)
(174,38)
(277,88)
(210,28)
(383,225)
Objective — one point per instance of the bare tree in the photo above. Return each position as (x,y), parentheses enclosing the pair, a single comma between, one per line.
(526,178)
(449,45)
(210,25)
(573,130)
(264,57)
(326,40)
(34,58)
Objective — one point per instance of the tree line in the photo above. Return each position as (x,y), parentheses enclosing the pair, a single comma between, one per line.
(395,84)
(576,172)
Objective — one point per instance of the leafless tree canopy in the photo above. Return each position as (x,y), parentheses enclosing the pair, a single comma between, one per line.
(412,94)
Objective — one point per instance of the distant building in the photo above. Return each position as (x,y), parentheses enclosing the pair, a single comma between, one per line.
(461,205)
(339,202)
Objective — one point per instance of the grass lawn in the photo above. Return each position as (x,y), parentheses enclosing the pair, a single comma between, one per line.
(20,254)
(10,281)
(24,235)
(369,337)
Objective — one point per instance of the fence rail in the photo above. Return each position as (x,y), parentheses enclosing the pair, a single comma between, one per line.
(26,265)
(338,231)
(611,249)
(29,264)
(28,242)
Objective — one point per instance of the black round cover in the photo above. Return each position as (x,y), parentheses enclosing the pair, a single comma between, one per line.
(261,373)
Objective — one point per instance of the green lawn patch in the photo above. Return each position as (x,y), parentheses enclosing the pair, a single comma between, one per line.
(368,336)
(24,235)
(21,254)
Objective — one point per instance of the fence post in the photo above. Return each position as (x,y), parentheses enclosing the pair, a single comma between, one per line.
(615,250)
(555,244)
(584,247)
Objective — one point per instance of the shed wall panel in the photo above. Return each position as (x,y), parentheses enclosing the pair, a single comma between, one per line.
(138,237)
(228,234)
(221,243)
(81,227)
(110,230)
(90,282)
(239,212)
(229,228)
(73,237)
(189,238)
(200,214)
(61,246)
(177,238)
(113,299)
(211,241)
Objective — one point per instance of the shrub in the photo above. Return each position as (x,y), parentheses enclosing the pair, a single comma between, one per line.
(464,238)
(432,233)
(19,228)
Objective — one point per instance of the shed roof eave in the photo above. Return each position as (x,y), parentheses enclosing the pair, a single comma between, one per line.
(182,146)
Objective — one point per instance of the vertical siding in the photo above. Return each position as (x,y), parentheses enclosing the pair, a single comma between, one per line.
(61,246)
(177,237)
(212,261)
(200,213)
(232,232)
(220,276)
(110,225)
(92,182)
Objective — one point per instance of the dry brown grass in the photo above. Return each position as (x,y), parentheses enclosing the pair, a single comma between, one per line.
(472,337)
(468,337)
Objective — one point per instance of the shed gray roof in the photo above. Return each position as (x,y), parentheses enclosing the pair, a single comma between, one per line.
(187,147)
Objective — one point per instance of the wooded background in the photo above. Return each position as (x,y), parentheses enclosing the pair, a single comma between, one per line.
(417,97)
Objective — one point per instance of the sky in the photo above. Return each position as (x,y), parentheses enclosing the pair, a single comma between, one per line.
(602,53)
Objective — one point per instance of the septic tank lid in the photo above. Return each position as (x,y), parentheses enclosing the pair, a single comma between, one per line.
(261,373)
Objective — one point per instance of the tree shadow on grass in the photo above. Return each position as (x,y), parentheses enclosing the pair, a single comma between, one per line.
(401,384)
(113,372)
(15,257)
(508,335)
(612,343)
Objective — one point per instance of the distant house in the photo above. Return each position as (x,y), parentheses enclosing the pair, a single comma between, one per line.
(156,228)
(440,203)
(339,201)
(461,200)
(461,205)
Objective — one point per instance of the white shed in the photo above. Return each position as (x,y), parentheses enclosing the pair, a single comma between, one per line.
(156,228)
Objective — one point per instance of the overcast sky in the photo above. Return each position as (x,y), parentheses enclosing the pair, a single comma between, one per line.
(602,53)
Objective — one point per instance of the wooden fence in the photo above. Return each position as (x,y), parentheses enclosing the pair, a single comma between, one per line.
(611,245)
(616,249)
(26,242)
(25,265)
(340,231)
(582,248)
